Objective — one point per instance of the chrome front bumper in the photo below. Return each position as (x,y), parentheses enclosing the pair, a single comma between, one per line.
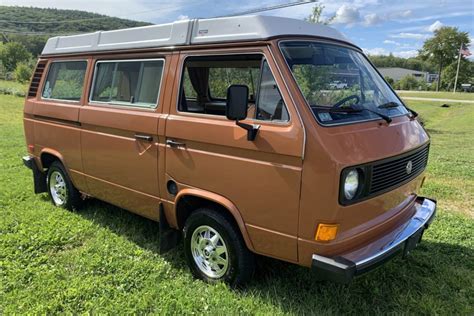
(343,268)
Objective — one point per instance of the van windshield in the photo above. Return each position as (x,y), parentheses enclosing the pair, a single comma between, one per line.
(339,84)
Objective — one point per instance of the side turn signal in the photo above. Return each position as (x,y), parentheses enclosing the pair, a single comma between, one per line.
(326,232)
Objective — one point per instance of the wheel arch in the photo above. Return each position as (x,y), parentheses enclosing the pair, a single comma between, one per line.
(47,156)
(190,199)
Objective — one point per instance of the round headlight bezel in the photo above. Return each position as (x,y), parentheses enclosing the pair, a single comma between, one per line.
(349,172)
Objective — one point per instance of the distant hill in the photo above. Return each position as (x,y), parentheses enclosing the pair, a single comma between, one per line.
(32,26)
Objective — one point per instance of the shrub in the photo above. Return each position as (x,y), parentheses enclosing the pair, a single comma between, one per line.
(23,72)
(410,83)
(390,81)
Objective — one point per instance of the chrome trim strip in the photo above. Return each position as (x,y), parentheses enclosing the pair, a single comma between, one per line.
(330,261)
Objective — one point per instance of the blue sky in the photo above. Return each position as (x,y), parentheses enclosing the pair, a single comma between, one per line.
(378,26)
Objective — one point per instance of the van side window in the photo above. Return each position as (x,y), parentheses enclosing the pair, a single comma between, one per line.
(65,80)
(205,81)
(129,83)
(270,105)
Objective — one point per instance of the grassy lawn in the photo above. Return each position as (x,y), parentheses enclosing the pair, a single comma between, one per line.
(438,95)
(13,85)
(105,260)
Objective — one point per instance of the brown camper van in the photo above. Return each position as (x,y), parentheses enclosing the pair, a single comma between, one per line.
(243,135)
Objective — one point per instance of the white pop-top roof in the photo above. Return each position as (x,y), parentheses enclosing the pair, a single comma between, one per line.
(188,32)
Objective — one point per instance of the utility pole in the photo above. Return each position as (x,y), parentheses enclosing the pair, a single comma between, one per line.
(457,71)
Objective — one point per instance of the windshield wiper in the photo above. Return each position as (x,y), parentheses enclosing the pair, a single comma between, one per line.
(392,104)
(351,109)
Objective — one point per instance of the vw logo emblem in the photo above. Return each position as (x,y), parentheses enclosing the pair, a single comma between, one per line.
(409,167)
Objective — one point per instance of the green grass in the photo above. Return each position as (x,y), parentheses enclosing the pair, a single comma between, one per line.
(9,84)
(105,260)
(438,95)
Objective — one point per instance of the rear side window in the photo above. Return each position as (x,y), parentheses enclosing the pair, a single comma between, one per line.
(65,80)
(129,83)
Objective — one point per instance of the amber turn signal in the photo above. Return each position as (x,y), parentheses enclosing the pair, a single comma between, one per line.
(326,232)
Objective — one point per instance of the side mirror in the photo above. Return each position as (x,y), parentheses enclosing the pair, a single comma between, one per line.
(237,102)
(236,108)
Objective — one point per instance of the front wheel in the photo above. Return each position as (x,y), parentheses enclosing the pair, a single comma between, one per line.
(215,250)
(60,188)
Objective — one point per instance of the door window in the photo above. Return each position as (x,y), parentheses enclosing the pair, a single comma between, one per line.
(65,80)
(206,79)
(129,83)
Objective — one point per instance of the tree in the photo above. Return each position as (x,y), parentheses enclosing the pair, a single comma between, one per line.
(466,74)
(23,71)
(410,83)
(443,48)
(316,15)
(12,53)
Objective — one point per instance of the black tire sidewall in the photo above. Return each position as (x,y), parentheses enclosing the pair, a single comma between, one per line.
(201,218)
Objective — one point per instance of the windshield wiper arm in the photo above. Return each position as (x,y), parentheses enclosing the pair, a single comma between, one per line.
(392,104)
(351,110)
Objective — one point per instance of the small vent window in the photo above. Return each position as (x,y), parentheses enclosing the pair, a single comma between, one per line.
(35,81)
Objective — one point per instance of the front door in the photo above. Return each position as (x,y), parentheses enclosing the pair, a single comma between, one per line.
(119,139)
(207,151)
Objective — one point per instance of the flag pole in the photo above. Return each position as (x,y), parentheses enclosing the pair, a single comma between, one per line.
(457,71)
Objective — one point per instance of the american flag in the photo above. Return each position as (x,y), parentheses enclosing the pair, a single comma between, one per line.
(464,51)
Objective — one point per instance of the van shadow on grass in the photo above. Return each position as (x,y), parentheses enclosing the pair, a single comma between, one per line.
(435,277)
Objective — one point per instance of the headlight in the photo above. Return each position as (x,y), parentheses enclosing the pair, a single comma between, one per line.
(351,184)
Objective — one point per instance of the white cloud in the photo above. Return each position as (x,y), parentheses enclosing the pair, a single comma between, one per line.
(400,14)
(183,17)
(435,26)
(347,15)
(383,51)
(406,53)
(391,42)
(372,19)
(406,13)
(417,36)
(376,51)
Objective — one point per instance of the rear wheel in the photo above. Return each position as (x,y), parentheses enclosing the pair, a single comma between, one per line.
(215,250)
(60,188)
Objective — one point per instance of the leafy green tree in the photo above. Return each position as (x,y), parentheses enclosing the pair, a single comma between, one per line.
(316,15)
(466,74)
(414,63)
(410,83)
(443,48)
(389,80)
(12,53)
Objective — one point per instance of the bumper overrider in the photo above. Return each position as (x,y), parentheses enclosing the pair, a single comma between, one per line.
(343,268)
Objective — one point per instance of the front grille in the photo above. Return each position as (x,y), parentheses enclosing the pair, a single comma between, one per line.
(395,171)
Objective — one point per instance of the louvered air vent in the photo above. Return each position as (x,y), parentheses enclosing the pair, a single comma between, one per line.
(35,81)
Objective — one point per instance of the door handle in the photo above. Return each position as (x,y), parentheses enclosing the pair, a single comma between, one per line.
(174,143)
(147,138)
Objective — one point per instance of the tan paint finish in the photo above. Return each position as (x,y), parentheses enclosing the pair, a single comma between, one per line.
(261,177)
(278,187)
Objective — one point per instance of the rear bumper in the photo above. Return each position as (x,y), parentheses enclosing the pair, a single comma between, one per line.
(343,268)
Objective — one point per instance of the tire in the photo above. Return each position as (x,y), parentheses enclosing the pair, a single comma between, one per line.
(60,188)
(215,250)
